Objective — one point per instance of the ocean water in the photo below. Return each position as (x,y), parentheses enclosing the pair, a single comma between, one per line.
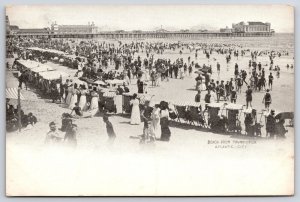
(279,42)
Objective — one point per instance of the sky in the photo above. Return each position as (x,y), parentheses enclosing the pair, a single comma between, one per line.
(148,18)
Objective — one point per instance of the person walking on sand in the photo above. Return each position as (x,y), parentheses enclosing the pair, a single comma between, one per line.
(233,96)
(267,100)
(155,123)
(198,96)
(249,97)
(135,112)
(164,122)
(270,124)
(69,92)
(146,115)
(207,99)
(74,98)
(94,107)
(271,81)
(82,101)
(218,68)
(109,129)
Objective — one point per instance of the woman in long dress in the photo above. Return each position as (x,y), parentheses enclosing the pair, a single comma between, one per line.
(147,74)
(164,122)
(95,99)
(74,98)
(70,92)
(181,73)
(94,107)
(155,123)
(82,101)
(135,112)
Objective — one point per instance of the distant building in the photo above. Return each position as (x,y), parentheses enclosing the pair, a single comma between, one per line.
(137,31)
(251,27)
(28,32)
(14,28)
(162,30)
(74,29)
(226,30)
(120,31)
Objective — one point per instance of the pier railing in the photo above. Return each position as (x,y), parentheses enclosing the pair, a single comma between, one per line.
(144,35)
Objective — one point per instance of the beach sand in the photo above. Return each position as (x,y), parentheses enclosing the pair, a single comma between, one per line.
(190,164)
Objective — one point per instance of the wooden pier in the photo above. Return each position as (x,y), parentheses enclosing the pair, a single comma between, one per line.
(145,35)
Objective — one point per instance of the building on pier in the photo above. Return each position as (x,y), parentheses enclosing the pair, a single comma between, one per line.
(251,27)
(90,28)
(226,30)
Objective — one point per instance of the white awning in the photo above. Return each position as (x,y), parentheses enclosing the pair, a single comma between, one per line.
(12,93)
(42,68)
(53,75)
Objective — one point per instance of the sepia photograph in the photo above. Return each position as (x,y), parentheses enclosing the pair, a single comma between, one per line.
(150,100)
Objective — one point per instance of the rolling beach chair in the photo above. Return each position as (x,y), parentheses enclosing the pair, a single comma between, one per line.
(233,112)
(213,119)
(181,112)
(194,114)
(109,104)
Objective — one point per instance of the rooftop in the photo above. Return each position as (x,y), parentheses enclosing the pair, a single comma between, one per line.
(75,26)
(256,23)
(33,30)
(14,27)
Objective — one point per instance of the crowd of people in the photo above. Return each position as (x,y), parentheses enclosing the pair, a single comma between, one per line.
(17,119)
(120,60)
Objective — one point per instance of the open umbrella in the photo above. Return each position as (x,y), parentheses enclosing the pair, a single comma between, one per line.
(139,73)
(199,72)
(61,60)
(285,115)
(99,82)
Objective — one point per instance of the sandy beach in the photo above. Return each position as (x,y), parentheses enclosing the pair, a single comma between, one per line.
(128,168)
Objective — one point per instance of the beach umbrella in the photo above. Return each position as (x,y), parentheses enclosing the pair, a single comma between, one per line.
(199,72)
(55,59)
(99,82)
(139,73)
(285,115)
(61,60)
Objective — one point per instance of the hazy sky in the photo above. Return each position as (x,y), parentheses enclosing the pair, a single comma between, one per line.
(124,17)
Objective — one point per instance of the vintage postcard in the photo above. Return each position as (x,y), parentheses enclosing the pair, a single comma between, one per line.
(157,100)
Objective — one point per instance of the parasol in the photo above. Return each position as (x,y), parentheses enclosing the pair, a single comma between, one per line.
(199,72)
(285,115)
(140,73)
(99,82)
